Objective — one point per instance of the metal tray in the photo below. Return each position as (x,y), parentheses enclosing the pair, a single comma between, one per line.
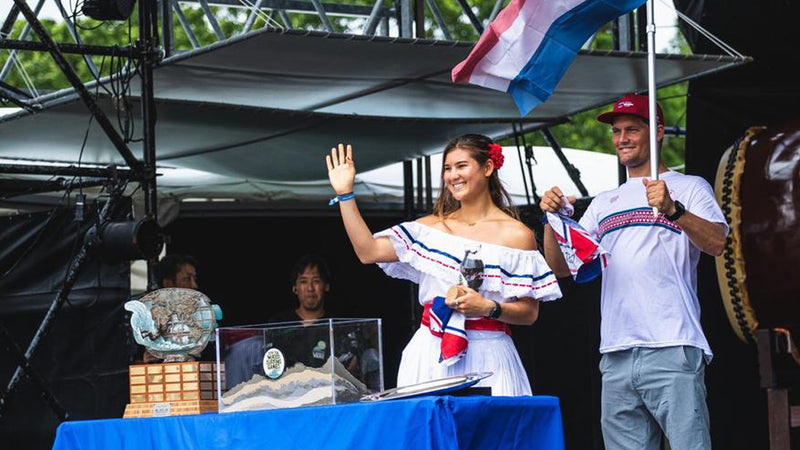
(433,387)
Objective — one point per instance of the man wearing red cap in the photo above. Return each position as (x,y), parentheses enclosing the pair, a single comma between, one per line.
(654,350)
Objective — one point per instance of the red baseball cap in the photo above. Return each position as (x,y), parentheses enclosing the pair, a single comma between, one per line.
(633,105)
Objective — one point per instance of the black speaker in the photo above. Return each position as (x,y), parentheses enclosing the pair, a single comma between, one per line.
(108,9)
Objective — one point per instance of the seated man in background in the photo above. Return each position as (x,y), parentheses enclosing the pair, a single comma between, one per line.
(177,271)
(310,282)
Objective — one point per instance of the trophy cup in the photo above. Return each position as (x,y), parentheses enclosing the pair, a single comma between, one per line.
(175,325)
(471,270)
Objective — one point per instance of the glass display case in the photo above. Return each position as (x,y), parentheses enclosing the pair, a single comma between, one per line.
(292,364)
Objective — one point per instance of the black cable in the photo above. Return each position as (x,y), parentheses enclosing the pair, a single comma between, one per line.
(86,135)
(75,15)
(72,253)
(99,75)
(79,233)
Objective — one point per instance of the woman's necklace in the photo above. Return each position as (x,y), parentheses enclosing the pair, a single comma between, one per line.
(472,224)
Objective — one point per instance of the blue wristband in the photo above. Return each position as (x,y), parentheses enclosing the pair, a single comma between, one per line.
(341,198)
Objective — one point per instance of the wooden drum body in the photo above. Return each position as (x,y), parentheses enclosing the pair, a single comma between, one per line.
(758,187)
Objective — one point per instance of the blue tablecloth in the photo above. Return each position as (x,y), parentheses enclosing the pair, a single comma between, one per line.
(441,423)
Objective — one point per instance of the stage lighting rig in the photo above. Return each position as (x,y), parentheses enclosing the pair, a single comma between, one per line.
(108,9)
(128,240)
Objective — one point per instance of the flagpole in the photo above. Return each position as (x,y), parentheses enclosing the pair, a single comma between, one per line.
(651,89)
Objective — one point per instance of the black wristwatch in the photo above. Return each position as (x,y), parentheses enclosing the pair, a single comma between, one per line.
(496,311)
(679,210)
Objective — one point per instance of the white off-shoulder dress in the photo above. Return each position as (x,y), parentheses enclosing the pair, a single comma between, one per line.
(432,259)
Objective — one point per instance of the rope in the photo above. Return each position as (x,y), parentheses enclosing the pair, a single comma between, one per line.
(710,36)
(267,19)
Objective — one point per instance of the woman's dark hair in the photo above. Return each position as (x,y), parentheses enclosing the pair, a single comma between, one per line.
(310,261)
(478,147)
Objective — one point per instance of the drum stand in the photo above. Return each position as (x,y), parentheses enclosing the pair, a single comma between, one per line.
(779,368)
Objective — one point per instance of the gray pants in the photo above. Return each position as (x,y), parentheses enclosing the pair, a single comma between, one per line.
(650,391)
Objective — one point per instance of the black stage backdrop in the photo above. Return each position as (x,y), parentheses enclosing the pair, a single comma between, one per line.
(85,355)
(719,110)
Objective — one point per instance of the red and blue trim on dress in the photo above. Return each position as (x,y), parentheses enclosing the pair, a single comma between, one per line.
(451,262)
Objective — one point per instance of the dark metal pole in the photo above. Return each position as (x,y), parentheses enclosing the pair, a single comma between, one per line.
(66,68)
(51,186)
(572,171)
(408,211)
(75,49)
(521,166)
(148,37)
(419,18)
(615,34)
(437,15)
(65,171)
(32,374)
(471,16)
(641,28)
(408,190)
(10,90)
(147,44)
(166,26)
(8,25)
(11,95)
(528,159)
(428,184)
(420,205)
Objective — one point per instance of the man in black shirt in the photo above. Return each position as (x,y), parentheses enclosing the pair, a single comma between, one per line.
(310,282)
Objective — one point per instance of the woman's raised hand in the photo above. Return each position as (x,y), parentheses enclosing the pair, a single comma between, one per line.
(341,169)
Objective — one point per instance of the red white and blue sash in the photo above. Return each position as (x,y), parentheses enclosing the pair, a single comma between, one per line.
(451,326)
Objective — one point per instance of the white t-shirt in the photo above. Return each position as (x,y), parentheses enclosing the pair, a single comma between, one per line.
(649,290)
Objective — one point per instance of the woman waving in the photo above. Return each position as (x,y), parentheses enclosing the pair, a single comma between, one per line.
(473,241)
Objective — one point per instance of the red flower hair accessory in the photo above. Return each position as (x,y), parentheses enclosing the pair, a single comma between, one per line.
(496,153)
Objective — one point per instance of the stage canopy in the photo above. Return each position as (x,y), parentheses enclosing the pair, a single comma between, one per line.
(268,105)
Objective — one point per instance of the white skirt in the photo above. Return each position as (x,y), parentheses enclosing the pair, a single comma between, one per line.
(488,351)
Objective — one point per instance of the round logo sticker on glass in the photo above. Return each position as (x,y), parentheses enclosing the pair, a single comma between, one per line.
(273,363)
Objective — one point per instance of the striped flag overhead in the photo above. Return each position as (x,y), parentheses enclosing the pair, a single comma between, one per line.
(529,46)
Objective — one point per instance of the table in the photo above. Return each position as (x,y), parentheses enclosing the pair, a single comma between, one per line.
(436,423)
